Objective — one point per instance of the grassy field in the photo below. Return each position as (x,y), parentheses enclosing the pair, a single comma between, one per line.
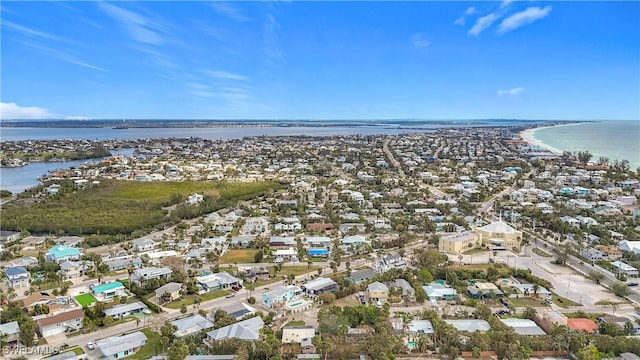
(188,299)
(525,301)
(563,302)
(295,323)
(482,267)
(86,299)
(150,349)
(240,256)
(540,252)
(122,207)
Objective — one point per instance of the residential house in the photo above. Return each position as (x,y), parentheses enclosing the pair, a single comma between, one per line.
(378,293)
(11,330)
(237,310)
(484,291)
(106,292)
(407,290)
(296,334)
(221,280)
(8,236)
(118,347)
(354,240)
(437,291)
(124,310)
(122,264)
(73,269)
(388,262)
(469,325)
(624,268)
(318,252)
(144,245)
(155,257)
(320,227)
(242,241)
(18,278)
(278,296)
(61,253)
(245,330)
(37,298)
(531,290)
(524,326)
(359,334)
(282,241)
(142,275)
(417,327)
(257,273)
(360,276)
(323,242)
(172,288)
(591,254)
(609,253)
(60,323)
(191,325)
(70,241)
(320,286)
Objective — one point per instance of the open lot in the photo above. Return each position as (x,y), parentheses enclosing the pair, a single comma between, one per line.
(240,256)
(86,299)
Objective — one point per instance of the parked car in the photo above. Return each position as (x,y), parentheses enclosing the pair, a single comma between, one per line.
(230,295)
(236,287)
(91,346)
(632,284)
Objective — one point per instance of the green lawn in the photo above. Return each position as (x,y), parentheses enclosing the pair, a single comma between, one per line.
(188,299)
(525,301)
(240,256)
(151,348)
(563,302)
(540,252)
(86,299)
(295,323)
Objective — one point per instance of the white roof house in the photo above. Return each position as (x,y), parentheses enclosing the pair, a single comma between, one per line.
(246,330)
(191,325)
(470,325)
(524,326)
(121,346)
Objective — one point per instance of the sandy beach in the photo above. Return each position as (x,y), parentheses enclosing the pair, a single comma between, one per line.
(529,136)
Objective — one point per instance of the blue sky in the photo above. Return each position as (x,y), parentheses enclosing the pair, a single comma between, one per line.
(321,60)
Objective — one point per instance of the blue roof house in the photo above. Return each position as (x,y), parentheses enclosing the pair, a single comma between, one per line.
(106,292)
(61,253)
(277,297)
(318,252)
(18,277)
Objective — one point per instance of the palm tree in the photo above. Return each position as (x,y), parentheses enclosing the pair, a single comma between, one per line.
(536,288)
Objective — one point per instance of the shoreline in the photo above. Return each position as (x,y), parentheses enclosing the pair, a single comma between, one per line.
(528,135)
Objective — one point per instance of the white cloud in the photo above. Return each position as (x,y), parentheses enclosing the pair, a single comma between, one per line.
(522,18)
(462,19)
(62,55)
(226,75)
(483,23)
(272,41)
(230,11)
(419,41)
(511,92)
(13,111)
(76,117)
(31,32)
(139,27)
(505,3)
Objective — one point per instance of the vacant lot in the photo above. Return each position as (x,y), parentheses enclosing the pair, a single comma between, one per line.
(86,299)
(188,299)
(240,256)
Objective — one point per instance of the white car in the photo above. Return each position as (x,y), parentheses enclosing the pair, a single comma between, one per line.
(146,312)
(91,346)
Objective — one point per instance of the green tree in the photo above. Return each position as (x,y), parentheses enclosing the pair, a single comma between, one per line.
(27,332)
(589,353)
(620,289)
(596,276)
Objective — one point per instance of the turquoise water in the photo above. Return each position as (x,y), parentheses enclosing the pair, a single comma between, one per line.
(617,140)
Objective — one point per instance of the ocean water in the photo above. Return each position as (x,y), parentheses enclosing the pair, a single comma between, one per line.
(617,140)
